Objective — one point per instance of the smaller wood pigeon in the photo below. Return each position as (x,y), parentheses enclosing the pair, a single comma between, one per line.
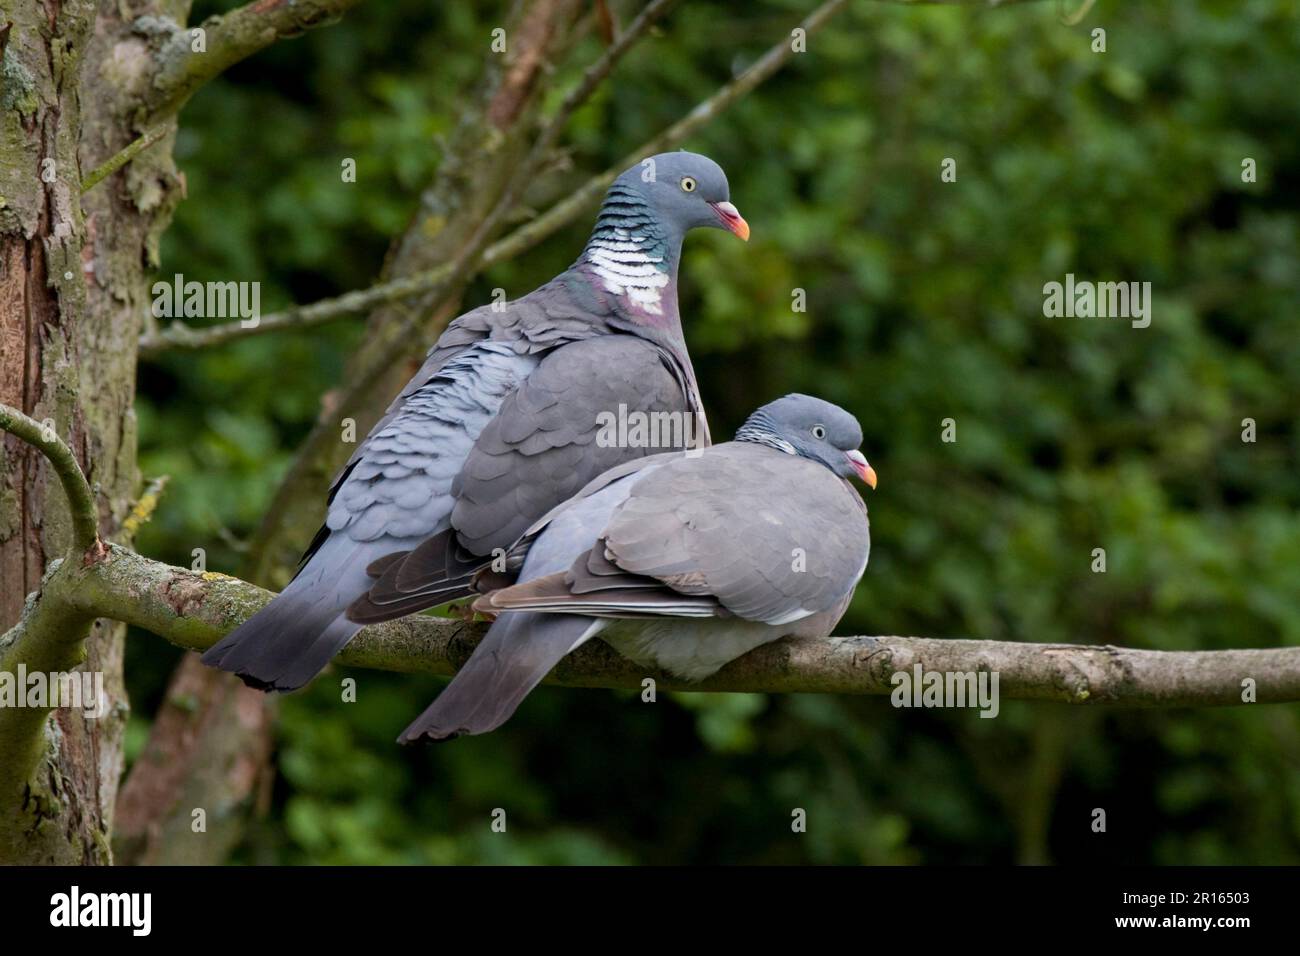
(680,561)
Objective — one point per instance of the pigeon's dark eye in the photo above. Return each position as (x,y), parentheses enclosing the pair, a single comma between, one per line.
(688,184)
(819,432)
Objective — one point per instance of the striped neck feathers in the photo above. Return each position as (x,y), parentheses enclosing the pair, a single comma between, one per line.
(760,430)
(632,255)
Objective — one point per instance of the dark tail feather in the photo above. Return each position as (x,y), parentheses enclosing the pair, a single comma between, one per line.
(280,647)
(377,568)
(288,642)
(434,573)
(364,610)
(437,560)
(519,650)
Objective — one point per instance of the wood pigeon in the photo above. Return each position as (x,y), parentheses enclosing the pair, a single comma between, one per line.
(680,561)
(498,425)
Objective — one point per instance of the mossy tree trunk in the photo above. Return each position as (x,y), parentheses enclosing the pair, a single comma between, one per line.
(73,293)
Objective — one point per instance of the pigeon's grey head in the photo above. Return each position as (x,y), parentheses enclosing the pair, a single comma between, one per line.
(684,191)
(813,429)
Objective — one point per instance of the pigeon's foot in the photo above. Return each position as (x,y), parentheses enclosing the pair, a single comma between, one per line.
(465,611)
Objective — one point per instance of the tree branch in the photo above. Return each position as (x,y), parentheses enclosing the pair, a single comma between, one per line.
(180,336)
(81,500)
(49,637)
(114,163)
(194,610)
(232,37)
(596,73)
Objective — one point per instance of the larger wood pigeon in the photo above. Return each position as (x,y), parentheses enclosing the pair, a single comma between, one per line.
(680,561)
(498,425)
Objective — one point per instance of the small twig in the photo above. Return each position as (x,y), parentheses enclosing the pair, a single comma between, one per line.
(122,158)
(591,80)
(598,71)
(589,192)
(232,37)
(231,540)
(144,507)
(178,335)
(81,500)
(1075,18)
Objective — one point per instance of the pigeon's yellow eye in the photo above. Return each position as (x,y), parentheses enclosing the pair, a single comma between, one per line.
(688,184)
(819,432)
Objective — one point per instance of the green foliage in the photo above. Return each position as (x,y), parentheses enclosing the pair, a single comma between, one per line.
(924,303)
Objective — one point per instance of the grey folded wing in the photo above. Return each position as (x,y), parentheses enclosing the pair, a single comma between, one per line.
(559,431)
(550,437)
(399,481)
(742,530)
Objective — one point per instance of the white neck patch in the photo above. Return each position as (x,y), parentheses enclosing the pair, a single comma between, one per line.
(627,270)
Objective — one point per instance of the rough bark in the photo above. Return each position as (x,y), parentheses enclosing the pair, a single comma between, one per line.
(65,337)
(82,82)
(126,215)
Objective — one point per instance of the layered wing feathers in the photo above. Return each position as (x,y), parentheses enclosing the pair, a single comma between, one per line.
(742,530)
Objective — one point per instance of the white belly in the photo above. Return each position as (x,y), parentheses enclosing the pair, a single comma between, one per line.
(687,648)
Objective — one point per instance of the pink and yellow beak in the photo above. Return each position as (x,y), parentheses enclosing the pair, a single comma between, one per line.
(731,218)
(864,470)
